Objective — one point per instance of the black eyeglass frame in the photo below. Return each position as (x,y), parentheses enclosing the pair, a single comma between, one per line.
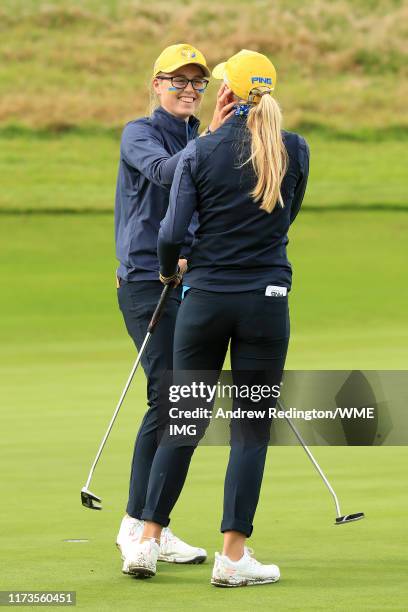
(187,81)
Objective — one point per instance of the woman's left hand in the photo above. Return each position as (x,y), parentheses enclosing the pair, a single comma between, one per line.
(224,107)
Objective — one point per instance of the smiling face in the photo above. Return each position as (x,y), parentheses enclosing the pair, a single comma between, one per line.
(181,103)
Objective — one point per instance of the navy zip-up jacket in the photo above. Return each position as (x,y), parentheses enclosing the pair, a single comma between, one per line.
(237,246)
(149,151)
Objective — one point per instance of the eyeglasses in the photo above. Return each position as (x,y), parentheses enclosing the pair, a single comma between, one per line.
(180,82)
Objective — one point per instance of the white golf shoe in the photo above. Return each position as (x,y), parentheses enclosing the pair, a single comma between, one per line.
(172,549)
(143,559)
(129,534)
(245,572)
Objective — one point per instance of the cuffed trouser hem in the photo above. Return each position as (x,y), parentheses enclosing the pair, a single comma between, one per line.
(136,514)
(237,525)
(155,517)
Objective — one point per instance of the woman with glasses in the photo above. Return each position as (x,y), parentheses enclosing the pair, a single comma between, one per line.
(149,152)
(246,181)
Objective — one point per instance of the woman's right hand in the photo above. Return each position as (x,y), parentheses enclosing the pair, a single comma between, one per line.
(175,279)
(224,107)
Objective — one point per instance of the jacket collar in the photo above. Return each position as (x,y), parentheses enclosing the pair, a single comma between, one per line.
(236,120)
(232,124)
(176,126)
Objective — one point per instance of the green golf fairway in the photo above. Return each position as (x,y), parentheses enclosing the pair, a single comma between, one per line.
(65,358)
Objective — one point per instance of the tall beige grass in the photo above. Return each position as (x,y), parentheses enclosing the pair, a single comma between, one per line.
(91,62)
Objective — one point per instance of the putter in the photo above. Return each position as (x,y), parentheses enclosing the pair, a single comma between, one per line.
(89,499)
(340,519)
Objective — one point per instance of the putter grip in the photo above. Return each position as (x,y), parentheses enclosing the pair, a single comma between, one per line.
(159,309)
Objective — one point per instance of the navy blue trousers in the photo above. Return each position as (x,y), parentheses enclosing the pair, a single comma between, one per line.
(137,301)
(257,328)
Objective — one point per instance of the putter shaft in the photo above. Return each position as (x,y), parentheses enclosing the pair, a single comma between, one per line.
(87,497)
(115,414)
(313,460)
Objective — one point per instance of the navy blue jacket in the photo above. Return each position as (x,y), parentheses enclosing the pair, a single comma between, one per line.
(237,246)
(149,152)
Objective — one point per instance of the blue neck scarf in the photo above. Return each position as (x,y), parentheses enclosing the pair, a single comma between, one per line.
(242,110)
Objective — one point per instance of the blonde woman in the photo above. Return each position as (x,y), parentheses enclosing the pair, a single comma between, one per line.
(246,181)
(150,149)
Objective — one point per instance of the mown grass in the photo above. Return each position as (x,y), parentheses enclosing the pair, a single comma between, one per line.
(59,301)
(65,356)
(84,65)
(340,63)
(78,172)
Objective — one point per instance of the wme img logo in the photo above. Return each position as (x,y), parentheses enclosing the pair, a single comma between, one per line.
(262,80)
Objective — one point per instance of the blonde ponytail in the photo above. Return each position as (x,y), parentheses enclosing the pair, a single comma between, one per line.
(268,153)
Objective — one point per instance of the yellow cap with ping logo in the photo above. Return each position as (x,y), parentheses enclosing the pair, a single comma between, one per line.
(246,71)
(176,56)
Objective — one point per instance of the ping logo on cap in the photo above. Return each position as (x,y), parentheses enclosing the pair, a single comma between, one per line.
(262,80)
(188,53)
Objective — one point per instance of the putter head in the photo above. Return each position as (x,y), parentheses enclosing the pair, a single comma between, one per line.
(89,500)
(349,518)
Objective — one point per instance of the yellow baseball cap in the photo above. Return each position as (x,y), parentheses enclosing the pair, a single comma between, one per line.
(245,71)
(176,56)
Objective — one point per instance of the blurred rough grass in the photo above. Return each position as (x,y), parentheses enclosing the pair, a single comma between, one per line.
(76,172)
(342,64)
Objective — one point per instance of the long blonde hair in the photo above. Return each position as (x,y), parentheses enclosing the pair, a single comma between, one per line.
(268,153)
